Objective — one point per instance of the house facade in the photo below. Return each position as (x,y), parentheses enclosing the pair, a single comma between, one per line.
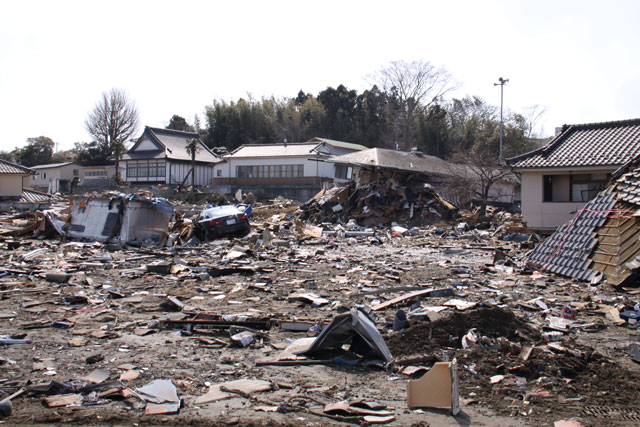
(11,179)
(293,170)
(558,179)
(55,177)
(66,177)
(160,156)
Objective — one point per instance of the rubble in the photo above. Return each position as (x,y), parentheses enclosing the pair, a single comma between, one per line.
(307,326)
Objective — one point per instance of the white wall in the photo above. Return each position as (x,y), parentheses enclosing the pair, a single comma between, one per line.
(146,145)
(60,173)
(543,215)
(311,168)
(10,185)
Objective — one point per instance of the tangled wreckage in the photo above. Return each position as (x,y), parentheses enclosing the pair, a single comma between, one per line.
(116,312)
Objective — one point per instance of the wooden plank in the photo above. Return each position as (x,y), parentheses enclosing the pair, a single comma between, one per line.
(401,298)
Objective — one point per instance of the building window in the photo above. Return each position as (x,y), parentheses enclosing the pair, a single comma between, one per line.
(146,169)
(572,188)
(270,171)
(43,175)
(344,171)
(75,172)
(585,187)
(219,172)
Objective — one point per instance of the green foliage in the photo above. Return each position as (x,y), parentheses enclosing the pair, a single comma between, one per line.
(91,154)
(7,155)
(466,126)
(38,151)
(179,123)
(64,156)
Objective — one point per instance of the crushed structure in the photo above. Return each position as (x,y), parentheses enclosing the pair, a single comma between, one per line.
(602,240)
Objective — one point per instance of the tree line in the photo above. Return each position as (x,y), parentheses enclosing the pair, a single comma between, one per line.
(404,108)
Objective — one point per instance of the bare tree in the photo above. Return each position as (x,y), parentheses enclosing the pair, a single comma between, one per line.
(533,115)
(113,120)
(415,86)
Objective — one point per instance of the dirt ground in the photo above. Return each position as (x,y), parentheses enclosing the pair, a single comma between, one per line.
(110,314)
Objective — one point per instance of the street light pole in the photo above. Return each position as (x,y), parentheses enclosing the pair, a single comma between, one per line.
(501,84)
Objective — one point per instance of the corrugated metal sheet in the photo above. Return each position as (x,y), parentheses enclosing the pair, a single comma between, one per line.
(594,144)
(30,196)
(274,150)
(341,144)
(52,165)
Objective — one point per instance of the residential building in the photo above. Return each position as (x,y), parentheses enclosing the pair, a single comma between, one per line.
(55,177)
(561,177)
(13,193)
(68,177)
(11,179)
(160,156)
(293,170)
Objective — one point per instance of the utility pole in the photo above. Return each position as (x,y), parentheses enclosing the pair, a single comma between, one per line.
(501,84)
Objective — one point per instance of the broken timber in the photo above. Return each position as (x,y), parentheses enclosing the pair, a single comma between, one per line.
(425,292)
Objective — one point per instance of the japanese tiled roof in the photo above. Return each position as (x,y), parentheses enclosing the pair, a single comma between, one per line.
(10,168)
(567,251)
(593,144)
(629,187)
(174,146)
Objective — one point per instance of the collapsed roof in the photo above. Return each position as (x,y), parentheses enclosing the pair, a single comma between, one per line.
(603,238)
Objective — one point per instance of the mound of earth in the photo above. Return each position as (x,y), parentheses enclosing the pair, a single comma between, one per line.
(492,322)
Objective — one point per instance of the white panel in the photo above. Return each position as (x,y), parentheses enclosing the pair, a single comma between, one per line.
(146,145)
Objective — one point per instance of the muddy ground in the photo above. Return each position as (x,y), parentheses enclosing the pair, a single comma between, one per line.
(110,312)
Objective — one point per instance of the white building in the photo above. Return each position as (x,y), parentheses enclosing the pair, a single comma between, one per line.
(560,178)
(160,156)
(294,170)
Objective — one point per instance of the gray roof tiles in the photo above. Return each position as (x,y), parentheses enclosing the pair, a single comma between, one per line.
(173,143)
(567,251)
(593,144)
(10,168)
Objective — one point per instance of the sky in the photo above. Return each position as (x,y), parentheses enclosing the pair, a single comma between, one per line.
(577,60)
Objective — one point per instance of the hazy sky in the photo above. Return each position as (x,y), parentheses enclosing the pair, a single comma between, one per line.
(579,59)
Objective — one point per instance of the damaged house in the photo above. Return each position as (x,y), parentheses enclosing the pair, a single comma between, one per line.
(561,177)
(602,240)
(377,186)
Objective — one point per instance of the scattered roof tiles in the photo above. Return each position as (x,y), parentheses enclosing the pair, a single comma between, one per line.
(10,168)
(593,144)
(567,251)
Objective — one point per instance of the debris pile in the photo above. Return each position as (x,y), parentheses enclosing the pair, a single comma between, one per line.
(295,322)
(383,200)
